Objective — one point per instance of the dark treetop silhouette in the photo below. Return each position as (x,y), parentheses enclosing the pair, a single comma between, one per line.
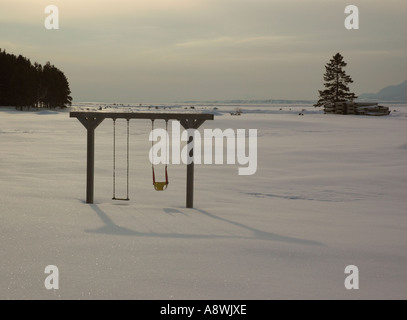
(23,84)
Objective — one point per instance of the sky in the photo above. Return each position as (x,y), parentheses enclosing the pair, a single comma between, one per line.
(178,50)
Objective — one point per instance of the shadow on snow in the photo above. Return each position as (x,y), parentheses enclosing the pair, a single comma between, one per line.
(112,228)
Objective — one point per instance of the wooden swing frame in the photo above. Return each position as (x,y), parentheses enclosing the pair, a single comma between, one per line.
(92,119)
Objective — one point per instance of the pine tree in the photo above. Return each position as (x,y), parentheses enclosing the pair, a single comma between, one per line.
(336,83)
(23,84)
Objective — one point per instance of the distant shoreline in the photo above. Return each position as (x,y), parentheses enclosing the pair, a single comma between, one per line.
(254,101)
(228,102)
(208,103)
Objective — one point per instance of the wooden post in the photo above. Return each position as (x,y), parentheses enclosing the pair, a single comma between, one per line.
(90,167)
(90,124)
(190,176)
(191,124)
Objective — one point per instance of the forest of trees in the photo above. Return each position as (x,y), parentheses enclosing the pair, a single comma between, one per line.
(23,84)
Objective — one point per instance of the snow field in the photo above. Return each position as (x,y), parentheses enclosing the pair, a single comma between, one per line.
(329,192)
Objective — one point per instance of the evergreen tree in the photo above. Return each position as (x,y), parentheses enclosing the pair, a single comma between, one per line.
(336,83)
(23,84)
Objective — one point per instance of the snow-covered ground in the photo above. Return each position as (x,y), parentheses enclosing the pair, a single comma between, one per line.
(330,191)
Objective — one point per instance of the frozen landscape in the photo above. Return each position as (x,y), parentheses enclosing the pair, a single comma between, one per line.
(329,191)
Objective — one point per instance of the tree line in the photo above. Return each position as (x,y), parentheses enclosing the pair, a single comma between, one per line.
(23,84)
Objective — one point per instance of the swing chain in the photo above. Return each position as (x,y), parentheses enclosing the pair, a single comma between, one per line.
(114,159)
(128,160)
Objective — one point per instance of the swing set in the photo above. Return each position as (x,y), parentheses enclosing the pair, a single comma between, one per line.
(91,120)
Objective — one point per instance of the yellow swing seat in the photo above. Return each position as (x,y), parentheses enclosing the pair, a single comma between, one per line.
(160,186)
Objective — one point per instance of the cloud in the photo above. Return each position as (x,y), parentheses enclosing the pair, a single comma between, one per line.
(27,10)
(234,41)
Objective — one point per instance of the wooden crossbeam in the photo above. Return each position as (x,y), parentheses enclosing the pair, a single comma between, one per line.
(142,115)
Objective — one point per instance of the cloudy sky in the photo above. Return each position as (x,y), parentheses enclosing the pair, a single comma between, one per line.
(176,50)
